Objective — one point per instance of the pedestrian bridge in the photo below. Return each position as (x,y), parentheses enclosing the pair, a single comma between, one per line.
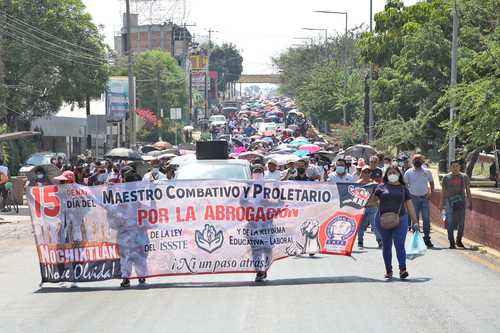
(260,78)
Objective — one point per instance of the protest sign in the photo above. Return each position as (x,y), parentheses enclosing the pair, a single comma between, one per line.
(147,229)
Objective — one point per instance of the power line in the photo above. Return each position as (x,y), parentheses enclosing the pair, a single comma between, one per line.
(29,26)
(52,53)
(57,47)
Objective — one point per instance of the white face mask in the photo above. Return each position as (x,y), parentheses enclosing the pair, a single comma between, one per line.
(393,178)
(340,170)
(258,176)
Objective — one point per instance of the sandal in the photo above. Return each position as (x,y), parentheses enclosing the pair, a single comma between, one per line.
(403,274)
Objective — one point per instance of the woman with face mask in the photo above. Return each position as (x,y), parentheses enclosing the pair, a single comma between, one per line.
(394,199)
(40,178)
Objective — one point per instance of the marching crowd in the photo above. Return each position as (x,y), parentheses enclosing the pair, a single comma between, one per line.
(402,187)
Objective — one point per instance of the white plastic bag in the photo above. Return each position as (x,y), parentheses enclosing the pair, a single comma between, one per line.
(416,247)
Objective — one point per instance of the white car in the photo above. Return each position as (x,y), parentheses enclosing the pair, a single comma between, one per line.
(264,127)
(214,170)
(218,120)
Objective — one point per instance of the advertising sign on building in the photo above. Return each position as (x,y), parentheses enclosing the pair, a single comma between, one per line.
(199,62)
(117,98)
(198,81)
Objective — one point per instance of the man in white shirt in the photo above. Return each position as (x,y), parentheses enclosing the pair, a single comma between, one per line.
(4,178)
(154,174)
(272,171)
(418,180)
(340,175)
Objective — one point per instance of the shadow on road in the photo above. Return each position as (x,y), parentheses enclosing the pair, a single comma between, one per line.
(269,283)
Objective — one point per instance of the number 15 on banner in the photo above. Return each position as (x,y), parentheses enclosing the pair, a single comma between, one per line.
(47,202)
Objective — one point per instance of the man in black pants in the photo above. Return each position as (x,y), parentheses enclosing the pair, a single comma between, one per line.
(4,178)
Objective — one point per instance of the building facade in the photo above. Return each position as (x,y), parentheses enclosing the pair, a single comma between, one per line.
(168,37)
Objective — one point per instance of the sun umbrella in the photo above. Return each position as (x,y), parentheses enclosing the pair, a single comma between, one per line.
(123,154)
(147,149)
(155,153)
(250,156)
(162,145)
(166,156)
(360,151)
(310,148)
(301,153)
(299,142)
(285,151)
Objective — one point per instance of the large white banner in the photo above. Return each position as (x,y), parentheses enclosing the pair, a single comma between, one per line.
(188,227)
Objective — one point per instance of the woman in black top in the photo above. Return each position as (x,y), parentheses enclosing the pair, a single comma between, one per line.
(394,197)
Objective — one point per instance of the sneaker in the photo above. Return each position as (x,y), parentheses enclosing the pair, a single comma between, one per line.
(142,281)
(429,244)
(379,244)
(360,245)
(403,274)
(125,283)
(311,254)
(460,244)
(261,276)
(388,275)
(452,246)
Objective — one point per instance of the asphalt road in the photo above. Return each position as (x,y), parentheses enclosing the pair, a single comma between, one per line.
(448,291)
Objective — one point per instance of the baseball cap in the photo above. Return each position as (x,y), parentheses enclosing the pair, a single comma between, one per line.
(418,157)
(67,176)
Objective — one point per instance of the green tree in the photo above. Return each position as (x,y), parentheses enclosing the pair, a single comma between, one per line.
(411,50)
(228,62)
(161,84)
(53,54)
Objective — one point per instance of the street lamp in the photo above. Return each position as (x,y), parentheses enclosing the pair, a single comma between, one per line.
(344,116)
(318,29)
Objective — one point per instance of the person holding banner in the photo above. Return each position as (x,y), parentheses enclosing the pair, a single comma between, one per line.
(154,174)
(395,206)
(131,238)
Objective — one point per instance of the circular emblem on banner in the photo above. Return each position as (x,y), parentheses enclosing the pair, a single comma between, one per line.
(340,229)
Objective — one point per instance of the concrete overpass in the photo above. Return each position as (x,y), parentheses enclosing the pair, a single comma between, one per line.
(260,78)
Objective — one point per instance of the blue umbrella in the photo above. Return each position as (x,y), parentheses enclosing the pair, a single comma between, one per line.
(299,142)
(302,153)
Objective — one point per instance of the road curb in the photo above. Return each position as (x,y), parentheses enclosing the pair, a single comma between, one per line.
(482,248)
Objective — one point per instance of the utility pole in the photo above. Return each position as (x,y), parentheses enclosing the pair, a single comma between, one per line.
(453,82)
(370,85)
(131,83)
(210,31)
(158,111)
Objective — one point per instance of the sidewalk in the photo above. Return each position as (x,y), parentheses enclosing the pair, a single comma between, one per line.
(15,226)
